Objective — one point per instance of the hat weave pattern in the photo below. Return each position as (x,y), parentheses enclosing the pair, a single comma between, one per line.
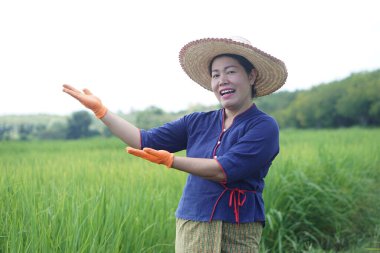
(195,58)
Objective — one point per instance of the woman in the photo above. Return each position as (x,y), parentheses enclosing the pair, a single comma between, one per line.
(229,151)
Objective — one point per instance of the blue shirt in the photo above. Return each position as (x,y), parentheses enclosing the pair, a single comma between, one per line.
(244,151)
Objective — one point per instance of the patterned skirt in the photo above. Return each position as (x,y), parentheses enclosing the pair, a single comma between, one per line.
(217,236)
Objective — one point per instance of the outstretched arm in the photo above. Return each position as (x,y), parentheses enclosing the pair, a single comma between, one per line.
(117,125)
(122,129)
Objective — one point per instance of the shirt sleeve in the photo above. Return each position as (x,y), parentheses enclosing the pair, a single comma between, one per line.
(253,153)
(171,136)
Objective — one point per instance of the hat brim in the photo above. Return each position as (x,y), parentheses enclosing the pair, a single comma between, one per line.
(195,58)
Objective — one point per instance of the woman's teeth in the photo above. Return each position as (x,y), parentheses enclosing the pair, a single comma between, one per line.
(225,92)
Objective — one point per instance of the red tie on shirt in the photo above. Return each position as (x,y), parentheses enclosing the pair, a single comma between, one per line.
(237,199)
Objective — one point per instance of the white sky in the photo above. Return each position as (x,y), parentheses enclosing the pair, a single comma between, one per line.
(126,52)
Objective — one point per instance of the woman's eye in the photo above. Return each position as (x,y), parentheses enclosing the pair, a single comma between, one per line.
(215,76)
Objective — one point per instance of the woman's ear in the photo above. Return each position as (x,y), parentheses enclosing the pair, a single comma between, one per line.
(252,76)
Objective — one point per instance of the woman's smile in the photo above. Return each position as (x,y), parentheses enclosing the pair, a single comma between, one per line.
(226,93)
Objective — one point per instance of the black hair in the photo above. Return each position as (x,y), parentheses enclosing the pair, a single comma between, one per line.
(247,65)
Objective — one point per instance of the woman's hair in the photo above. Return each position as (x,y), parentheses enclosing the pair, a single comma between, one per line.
(247,65)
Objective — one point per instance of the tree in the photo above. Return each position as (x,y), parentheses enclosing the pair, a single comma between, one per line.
(6,132)
(54,130)
(24,131)
(152,117)
(78,125)
(359,104)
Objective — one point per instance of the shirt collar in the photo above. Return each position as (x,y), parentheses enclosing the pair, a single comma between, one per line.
(247,113)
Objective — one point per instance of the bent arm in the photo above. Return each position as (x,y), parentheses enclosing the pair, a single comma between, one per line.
(122,129)
(202,167)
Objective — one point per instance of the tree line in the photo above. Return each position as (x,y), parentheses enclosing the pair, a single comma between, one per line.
(353,101)
(80,124)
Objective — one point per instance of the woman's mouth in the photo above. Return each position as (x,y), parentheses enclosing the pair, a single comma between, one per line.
(226,92)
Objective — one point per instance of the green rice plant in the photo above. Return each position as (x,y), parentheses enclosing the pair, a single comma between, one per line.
(84,196)
(321,195)
(322,191)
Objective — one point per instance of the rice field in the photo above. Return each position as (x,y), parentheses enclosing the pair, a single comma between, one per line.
(322,195)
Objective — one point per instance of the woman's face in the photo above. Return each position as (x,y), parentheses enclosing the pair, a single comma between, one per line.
(231,84)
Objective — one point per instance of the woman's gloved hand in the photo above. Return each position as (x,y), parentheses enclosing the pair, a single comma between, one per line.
(155,156)
(87,99)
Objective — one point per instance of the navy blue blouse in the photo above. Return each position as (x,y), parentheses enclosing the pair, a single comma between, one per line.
(244,151)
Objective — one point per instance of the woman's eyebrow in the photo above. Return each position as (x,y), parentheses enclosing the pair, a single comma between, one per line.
(225,68)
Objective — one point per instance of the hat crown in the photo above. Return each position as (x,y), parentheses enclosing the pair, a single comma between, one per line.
(240,39)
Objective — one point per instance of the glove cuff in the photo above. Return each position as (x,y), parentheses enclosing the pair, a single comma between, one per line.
(169,162)
(101,112)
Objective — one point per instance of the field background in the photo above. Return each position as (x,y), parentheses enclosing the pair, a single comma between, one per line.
(322,195)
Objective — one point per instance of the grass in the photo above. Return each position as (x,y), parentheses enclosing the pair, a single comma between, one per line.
(321,195)
(83,196)
(323,192)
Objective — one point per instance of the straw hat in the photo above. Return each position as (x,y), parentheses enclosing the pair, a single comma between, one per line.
(195,58)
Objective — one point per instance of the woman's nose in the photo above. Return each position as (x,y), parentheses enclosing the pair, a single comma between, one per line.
(223,79)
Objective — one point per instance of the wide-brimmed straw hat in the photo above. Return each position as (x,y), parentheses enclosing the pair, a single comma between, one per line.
(195,58)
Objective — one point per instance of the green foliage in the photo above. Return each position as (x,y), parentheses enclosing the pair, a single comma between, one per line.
(32,127)
(354,101)
(79,125)
(52,131)
(276,101)
(322,191)
(153,117)
(321,195)
(360,102)
(84,196)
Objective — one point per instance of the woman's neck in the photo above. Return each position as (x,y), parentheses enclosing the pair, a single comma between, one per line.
(231,113)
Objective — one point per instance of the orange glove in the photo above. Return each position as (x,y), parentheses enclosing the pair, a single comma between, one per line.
(155,156)
(87,99)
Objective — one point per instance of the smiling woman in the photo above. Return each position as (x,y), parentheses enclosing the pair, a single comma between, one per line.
(229,151)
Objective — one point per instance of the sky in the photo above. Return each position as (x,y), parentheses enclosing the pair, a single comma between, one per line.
(126,52)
